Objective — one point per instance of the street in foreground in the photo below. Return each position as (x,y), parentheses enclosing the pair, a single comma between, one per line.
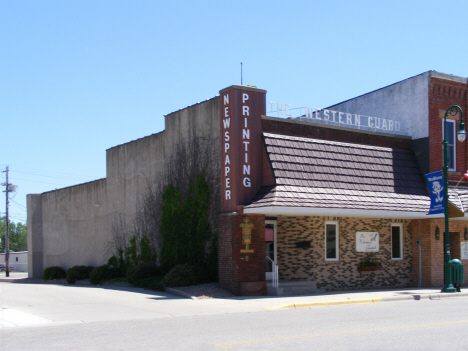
(89,318)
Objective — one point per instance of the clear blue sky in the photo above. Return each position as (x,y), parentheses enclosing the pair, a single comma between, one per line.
(79,77)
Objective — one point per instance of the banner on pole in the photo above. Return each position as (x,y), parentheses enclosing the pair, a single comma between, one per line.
(435,182)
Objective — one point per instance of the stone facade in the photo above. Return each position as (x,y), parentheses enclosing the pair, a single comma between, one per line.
(310,264)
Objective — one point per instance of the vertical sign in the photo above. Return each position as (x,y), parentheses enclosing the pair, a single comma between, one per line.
(435,183)
(241,140)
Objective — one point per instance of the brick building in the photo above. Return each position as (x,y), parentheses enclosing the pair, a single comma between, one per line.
(330,178)
(306,199)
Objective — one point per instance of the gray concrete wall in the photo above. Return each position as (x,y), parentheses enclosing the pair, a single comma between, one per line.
(72,226)
(133,166)
(406,101)
(34,236)
(75,228)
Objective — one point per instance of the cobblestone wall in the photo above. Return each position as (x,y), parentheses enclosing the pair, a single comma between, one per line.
(309,264)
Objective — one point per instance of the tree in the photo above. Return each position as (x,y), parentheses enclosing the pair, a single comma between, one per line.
(17,235)
(178,207)
(185,227)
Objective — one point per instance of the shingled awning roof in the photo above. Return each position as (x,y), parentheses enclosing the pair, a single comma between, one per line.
(338,178)
(459,198)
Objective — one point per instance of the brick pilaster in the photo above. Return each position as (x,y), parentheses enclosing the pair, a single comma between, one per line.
(241,272)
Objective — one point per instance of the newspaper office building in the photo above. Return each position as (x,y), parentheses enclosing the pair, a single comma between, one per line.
(314,194)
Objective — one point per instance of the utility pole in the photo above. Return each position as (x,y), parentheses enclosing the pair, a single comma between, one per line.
(7,244)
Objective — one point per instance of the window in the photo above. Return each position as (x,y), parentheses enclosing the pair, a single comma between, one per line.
(331,241)
(451,137)
(397,242)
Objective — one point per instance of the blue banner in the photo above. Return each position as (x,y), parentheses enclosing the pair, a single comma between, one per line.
(435,182)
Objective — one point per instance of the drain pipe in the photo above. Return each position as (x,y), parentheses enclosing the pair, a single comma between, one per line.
(420,258)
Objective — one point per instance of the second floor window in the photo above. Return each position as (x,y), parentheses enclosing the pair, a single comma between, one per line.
(450,144)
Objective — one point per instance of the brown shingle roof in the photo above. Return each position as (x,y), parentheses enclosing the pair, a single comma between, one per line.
(459,198)
(329,174)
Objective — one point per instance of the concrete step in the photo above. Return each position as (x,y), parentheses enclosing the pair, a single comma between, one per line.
(293,288)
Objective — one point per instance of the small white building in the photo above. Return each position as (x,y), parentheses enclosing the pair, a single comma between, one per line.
(18,261)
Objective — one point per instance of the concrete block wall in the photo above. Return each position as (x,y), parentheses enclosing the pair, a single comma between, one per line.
(309,264)
(75,225)
(135,165)
(72,226)
(34,236)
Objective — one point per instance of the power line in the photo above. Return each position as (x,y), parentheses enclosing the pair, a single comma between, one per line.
(51,176)
(67,178)
(37,181)
(22,168)
(21,219)
(18,204)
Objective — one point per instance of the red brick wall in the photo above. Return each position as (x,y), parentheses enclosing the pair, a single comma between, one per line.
(432,250)
(442,94)
(241,273)
(241,109)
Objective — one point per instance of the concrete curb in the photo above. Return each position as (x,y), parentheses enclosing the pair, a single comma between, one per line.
(84,282)
(180,293)
(19,280)
(415,297)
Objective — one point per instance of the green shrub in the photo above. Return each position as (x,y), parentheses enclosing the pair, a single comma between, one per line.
(113,261)
(156,284)
(102,273)
(146,252)
(54,272)
(78,273)
(152,283)
(183,275)
(184,226)
(142,271)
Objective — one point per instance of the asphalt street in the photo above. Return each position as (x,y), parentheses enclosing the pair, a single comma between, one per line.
(65,317)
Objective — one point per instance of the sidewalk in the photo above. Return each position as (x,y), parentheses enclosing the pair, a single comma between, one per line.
(365,296)
(13,276)
(284,302)
(28,302)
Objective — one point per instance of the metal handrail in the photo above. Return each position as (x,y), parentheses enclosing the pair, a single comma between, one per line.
(275,272)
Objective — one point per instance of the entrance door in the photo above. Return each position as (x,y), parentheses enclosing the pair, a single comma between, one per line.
(270,247)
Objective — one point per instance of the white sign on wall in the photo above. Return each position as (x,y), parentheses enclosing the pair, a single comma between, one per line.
(367,241)
(341,119)
(464,250)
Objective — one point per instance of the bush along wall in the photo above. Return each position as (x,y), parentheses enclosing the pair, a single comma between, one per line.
(54,272)
(78,273)
(136,262)
(185,229)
